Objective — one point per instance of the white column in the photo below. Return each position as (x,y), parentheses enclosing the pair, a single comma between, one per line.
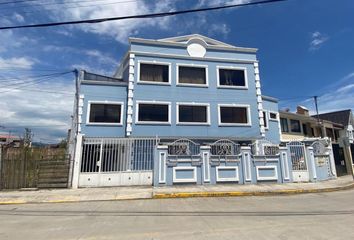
(284,163)
(311,162)
(259,99)
(77,161)
(331,160)
(205,151)
(246,158)
(130,108)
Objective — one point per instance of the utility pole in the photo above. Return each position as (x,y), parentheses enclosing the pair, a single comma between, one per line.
(318,118)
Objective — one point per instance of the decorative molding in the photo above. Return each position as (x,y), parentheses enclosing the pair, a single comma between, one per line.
(218,67)
(80,111)
(248,124)
(102,123)
(184,180)
(247,163)
(152,62)
(192,65)
(206,167)
(129,128)
(137,102)
(162,167)
(259,98)
(221,179)
(285,164)
(207,105)
(275,177)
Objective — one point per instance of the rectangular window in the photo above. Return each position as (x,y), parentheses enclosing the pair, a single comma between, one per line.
(193,114)
(153,112)
(232,77)
(105,113)
(234,115)
(284,125)
(304,129)
(273,116)
(192,75)
(154,73)
(295,126)
(265,119)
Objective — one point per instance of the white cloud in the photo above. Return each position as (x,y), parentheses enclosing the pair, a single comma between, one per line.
(46,113)
(317,40)
(21,62)
(18,18)
(120,30)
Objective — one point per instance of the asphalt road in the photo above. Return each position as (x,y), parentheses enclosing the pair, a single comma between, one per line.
(308,216)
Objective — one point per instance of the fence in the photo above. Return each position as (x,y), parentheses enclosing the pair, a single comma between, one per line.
(33,167)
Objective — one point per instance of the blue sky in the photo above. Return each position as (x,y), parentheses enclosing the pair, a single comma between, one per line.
(306,48)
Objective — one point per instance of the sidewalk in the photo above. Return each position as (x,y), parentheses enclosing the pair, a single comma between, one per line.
(182,191)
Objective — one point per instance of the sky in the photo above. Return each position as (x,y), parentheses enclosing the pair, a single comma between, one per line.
(306,48)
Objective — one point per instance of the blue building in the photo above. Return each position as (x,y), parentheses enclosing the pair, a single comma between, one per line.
(185,109)
(189,86)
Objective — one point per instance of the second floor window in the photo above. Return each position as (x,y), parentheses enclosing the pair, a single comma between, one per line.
(232,78)
(192,114)
(154,73)
(284,125)
(151,112)
(233,115)
(105,113)
(295,126)
(192,75)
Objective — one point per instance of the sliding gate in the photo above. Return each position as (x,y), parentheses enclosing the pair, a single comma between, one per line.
(117,161)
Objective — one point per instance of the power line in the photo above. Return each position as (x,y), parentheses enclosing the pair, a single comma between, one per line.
(142,16)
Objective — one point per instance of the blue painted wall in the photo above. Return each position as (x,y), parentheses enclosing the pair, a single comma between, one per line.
(272,133)
(103,93)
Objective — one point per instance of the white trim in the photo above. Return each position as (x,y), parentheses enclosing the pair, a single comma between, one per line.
(162,163)
(276,119)
(184,180)
(286,172)
(220,179)
(153,62)
(192,104)
(275,177)
(247,162)
(107,103)
(248,124)
(195,66)
(137,102)
(206,167)
(231,68)
(313,164)
(266,120)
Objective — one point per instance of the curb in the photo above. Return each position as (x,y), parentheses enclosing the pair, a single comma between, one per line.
(244,194)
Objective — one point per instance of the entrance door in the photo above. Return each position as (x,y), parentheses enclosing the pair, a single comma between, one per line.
(299,162)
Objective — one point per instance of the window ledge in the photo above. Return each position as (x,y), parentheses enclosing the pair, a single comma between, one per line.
(191,85)
(105,124)
(154,83)
(233,87)
(153,123)
(193,124)
(234,125)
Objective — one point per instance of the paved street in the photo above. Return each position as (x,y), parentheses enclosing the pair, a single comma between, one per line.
(308,216)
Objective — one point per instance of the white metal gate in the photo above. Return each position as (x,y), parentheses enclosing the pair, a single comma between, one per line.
(117,161)
(299,161)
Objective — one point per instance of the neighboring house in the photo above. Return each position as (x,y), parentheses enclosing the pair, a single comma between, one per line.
(10,140)
(190,86)
(345,118)
(301,126)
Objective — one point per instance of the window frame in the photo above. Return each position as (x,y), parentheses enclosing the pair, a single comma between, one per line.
(207,105)
(287,125)
(276,119)
(218,67)
(300,126)
(248,124)
(137,106)
(265,119)
(107,103)
(195,66)
(153,62)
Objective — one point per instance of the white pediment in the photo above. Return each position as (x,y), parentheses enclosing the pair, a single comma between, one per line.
(187,38)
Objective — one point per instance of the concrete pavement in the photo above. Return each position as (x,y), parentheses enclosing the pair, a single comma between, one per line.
(128,193)
(291,217)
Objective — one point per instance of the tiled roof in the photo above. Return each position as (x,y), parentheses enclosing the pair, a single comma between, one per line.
(341,117)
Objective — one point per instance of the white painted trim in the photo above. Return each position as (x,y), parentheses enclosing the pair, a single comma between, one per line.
(162,163)
(220,179)
(153,62)
(107,103)
(231,68)
(276,119)
(313,164)
(192,104)
(275,177)
(286,171)
(247,164)
(137,102)
(195,66)
(185,180)
(249,124)
(206,167)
